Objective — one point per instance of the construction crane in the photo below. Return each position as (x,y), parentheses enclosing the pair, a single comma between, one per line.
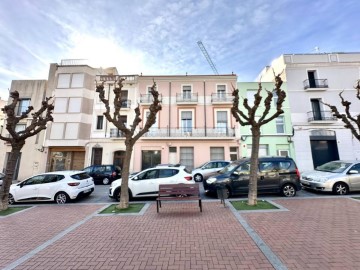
(202,48)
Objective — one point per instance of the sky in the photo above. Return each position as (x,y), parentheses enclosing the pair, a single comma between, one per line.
(159,37)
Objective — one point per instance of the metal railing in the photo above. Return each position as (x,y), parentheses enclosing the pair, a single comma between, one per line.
(221,97)
(320,116)
(316,83)
(116,133)
(191,132)
(148,98)
(187,97)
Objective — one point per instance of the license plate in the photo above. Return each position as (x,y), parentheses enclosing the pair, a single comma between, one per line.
(87,190)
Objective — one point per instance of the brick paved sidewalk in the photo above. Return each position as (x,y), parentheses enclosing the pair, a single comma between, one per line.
(314,233)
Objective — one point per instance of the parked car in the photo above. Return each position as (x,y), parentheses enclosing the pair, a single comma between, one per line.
(1,178)
(146,183)
(60,186)
(202,172)
(104,174)
(339,177)
(275,174)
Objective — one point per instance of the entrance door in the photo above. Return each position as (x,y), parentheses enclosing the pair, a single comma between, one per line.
(119,157)
(311,76)
(323,151)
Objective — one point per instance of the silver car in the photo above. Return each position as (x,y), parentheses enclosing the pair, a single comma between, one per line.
(202,172)
(339,177)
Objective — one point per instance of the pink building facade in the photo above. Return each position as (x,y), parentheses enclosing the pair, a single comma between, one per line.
(195,124)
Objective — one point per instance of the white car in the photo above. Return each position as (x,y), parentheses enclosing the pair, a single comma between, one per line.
(202,172)
(60,186)
(146,183)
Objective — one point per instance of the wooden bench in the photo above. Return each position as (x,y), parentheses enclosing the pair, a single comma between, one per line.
(178,192)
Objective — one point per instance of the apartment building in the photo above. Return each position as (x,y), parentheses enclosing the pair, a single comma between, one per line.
(195,124)
(277,135)
(33,155)
(312,80)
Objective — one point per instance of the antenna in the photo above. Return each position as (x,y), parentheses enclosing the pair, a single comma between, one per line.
(202,48)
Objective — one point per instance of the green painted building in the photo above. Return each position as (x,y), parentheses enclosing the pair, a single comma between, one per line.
(276,136)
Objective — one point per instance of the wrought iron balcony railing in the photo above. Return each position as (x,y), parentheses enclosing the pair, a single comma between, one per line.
(221,97)
(115,133)
(190,132)
(316,83)
(187,97)
(148,98)
(320,116)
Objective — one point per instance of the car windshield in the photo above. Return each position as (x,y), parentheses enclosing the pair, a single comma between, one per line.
(333,166)
(229,168)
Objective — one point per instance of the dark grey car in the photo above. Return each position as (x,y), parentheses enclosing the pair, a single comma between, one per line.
(275,174)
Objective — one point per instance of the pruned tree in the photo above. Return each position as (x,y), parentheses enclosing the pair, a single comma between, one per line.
(131,134)
(249,117)
(351,122)
(17,138)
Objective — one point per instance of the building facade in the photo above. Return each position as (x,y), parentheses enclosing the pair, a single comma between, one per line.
(195,124)
(277,135)
(312,80)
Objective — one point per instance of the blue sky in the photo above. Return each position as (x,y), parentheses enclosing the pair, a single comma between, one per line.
(160,36)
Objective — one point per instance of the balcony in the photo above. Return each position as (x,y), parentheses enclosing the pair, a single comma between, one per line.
(321,117)
(128,79)
(115,133)
(190,133)
(316,84)
(221,98)
(186,98)
(148,98)
(126,104)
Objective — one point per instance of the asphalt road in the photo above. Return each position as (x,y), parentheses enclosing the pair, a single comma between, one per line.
(100,195)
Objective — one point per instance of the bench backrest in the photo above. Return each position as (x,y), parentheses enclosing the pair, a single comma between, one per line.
(177,189)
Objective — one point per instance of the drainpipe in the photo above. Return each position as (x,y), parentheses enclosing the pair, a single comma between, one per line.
(169,124)
(205,111)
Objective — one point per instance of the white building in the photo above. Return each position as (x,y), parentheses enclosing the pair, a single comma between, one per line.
(314,79)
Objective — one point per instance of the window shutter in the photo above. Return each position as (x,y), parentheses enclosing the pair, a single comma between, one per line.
(77,80)
(63,81)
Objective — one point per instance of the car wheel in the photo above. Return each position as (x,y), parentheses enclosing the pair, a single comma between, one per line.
(61,198)
(226,193)
(288,190)
(198,178)
(11,199)
(106,181)
(340,189)
(117,194)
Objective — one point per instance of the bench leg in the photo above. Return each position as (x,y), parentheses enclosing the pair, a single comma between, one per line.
(157,206)
(200,205)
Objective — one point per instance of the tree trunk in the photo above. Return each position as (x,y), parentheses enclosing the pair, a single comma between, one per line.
(9,175)
(254,161)
(124,196)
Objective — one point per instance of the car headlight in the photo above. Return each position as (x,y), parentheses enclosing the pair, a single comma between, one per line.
(211,180)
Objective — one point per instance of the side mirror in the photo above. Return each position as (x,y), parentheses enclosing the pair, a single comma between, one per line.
(236,173)
(353,172)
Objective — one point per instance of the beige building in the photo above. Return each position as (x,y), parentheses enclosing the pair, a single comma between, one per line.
(33,155)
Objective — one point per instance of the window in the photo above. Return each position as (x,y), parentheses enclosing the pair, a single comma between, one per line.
(74,105)
(250,96)
(172,149)
(217,153)
(20,127)
(186,121)
(186,91)
(233,153)
(187,157)
(164,173)
(280,126)
(283,153)
(63,81)
(356,167)
(77,80)
(263,150)
(154,127)
(221,121)
(266,166)
(316,109)
(57,130)
(150,158)
(72,130)
(23,105)
(99,122)
(221,91)
(275,98)
(124,99)
(312,78)
(60,105)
